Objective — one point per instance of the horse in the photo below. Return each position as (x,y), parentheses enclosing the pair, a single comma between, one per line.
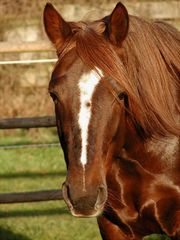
(115,88)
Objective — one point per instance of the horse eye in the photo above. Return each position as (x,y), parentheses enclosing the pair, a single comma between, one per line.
(54,97)
(124,96)
(121,95)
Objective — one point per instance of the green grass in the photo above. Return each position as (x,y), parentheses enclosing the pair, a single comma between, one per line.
(25,136)
(37,169)
(156,237)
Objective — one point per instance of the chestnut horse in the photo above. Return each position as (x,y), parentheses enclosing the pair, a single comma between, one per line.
(115,88)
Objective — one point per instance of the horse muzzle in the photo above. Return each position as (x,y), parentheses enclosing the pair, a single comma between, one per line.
(84,203)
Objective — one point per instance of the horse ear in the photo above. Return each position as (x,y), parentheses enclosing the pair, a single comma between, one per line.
(57,29)
(117,24)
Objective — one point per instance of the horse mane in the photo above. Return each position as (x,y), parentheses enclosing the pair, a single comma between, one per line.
(146,66)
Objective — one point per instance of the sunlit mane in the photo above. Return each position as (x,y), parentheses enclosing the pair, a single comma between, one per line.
(147,67)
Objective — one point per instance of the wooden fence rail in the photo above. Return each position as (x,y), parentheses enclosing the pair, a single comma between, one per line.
(38,46)
(22,197)
(35,122)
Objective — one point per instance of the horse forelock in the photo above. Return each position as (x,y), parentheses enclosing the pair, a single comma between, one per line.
(146,66)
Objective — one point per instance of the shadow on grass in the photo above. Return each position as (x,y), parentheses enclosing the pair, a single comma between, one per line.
(33,213)
(7,234)
(32,174)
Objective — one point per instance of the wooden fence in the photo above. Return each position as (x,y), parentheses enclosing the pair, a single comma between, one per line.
(24,197)
(35,122)
(41,46)
(46,195)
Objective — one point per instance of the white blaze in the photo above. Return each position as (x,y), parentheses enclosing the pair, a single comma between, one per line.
(87,85)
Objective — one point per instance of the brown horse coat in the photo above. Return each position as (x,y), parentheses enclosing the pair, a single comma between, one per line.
(122,158)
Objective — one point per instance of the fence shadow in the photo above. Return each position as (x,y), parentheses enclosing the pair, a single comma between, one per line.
(7,234)
(33,213)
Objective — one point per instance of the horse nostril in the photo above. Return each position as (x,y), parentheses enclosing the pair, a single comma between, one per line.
(65,192)
(101,198)
(85,204)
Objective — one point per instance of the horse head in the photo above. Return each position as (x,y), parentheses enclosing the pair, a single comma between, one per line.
(90,110)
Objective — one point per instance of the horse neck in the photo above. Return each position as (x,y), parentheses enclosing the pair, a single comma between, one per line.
(158,156)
